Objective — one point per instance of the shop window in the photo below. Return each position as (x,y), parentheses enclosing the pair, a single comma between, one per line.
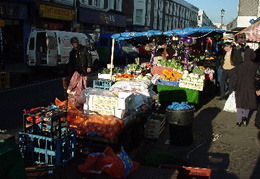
(138,17)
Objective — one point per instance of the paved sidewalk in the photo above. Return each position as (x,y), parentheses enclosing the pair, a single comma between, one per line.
(231,152)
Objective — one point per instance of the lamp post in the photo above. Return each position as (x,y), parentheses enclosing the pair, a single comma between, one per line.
(222,15)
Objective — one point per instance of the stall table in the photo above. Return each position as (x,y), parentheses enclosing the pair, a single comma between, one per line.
(177,94)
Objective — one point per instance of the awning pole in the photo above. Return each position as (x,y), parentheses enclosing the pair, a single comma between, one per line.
(112,58)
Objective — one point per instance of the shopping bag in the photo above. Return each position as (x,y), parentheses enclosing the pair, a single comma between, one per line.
(230,105)
(116,165)
(75,88)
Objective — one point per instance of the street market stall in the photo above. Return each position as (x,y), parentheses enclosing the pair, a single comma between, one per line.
(122,100)
(249,34)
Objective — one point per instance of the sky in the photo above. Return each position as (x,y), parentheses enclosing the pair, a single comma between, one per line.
(212,9)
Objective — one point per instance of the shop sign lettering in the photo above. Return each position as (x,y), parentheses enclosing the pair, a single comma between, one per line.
(56,13)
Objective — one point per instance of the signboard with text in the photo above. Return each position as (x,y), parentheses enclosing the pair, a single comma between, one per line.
(56,12)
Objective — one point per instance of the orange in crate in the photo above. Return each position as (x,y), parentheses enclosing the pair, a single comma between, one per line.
(190,172)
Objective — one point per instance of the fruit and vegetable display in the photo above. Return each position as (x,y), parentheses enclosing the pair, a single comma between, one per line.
(200,70)
(192,81)
(170,75)
(97,125)
(107,70)
(134,67)
(173,63)
(125,76)
(146,76)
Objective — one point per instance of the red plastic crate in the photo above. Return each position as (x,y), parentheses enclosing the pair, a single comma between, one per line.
(190,172)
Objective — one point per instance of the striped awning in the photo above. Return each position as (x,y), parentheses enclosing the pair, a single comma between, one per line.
(252,33)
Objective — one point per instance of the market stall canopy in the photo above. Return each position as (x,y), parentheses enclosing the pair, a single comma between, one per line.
(197,31)
(251,33)
(189,31)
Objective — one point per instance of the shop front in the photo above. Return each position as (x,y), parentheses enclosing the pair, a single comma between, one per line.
(96,22)
(55,18)
(13,18)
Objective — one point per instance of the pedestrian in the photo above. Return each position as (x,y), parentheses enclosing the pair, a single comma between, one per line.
(79,65)
(80,58)
(257,86)
(231,58)
(244,87)
(257,52)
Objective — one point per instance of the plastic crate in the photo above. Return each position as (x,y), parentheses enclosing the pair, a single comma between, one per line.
(45,150)
(46,122)
(190,172)
(155,125)
(4,80)
(102,83)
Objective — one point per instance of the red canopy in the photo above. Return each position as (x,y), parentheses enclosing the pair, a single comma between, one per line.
(252,32)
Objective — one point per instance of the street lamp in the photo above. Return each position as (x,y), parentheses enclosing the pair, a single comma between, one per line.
(222,15)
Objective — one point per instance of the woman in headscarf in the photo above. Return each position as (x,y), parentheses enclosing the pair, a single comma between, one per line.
(245,91)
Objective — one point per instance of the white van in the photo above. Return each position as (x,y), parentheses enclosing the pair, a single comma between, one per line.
(50,49)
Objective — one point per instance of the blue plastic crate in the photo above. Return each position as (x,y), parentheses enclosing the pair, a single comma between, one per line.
(45,150)
(167,83)
(102,83)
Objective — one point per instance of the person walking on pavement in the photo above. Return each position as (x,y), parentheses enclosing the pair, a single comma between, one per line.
(257,52)
(257,86)
(232,57)
(244,87)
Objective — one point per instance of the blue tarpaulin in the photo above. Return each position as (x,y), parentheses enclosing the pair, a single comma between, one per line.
(188,31)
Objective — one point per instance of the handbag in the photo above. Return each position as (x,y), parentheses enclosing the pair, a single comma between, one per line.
(230,105)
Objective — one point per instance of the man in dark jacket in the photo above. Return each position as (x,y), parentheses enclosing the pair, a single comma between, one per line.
(80,58)
(231,58)
(257,86)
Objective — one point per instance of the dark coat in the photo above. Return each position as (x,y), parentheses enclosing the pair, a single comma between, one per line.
(244,85)
(79,60)
(236,57)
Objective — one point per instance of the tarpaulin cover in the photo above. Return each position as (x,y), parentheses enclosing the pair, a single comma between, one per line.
(189,31)
(251,32)
(116,165)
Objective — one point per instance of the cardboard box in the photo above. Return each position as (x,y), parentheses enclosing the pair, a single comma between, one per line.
(115,102)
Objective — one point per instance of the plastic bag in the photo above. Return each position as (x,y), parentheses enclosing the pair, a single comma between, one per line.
(116,165)
(230,105)
(75,88)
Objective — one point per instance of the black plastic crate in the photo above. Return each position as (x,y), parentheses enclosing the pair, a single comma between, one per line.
(45,121)
(46,150)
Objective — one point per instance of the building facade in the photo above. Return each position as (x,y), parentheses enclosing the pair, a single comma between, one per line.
(247,10)
(19,17)
(162,15)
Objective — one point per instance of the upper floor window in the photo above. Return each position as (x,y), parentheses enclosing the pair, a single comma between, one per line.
(138,16)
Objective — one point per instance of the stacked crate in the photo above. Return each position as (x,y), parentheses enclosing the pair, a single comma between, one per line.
(120,106)
(155,125)
(46,138)
(4,80)
(102,83)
